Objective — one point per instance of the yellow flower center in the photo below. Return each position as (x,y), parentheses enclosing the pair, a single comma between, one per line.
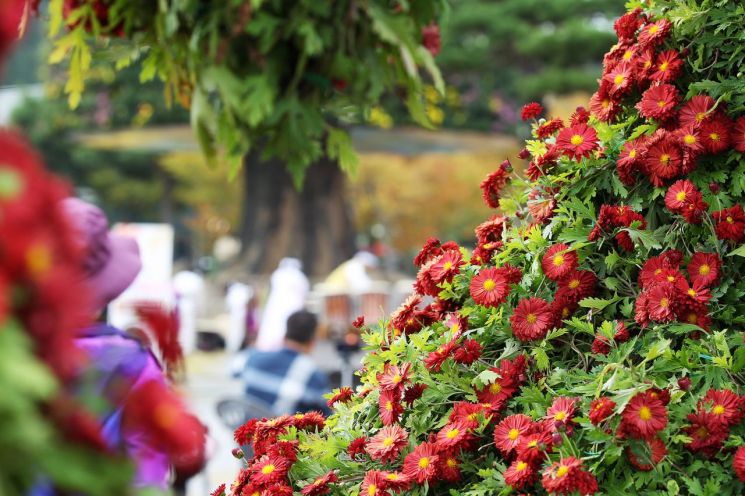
(657,272)
(653,29)
(489,285)
(565,312)
(692,318)
(396,378)
(700,116)
(632,153)
(670,278)
(577,140)
(714,136)
(605,103)
(663,66)
(495,388)
(521,465)
(574,284)
(267,469)
(558,260)
(513,434)
(692,292)
(689,139)
(423,462)
(38,259)
(718,410)
(664,302)
(665,158)
(392,476)
(704,269)
(619,79)
(371,490)
(560,416)
(452,433)
(562,471)
(389,406)
(680,196)
(645,413)
(531,318)
(452,462)
(730,220)
(533,443)
(388,442)
(661,103)
(447,265)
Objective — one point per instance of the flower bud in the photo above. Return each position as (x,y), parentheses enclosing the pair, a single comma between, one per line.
(684,383)
(238,453)
(714,187)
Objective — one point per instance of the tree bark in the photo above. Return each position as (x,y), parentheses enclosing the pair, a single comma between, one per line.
(313,224)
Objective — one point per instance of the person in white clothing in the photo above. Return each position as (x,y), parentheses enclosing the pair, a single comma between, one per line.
(353,275)
(189,289)
(236,301)
(287,294)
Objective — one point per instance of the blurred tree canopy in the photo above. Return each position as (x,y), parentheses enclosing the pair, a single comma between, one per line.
(497,55)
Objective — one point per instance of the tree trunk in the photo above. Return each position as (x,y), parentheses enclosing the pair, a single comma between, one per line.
(314,224)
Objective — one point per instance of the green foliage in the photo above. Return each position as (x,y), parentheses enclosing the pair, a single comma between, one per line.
(276,74)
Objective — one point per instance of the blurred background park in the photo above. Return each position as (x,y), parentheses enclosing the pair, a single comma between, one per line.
(125,150)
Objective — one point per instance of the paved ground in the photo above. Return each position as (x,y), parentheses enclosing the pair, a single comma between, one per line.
(209,381)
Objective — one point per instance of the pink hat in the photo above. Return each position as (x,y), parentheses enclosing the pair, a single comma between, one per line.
(112,262)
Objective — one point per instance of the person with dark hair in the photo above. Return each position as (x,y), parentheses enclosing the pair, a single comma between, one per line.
(287,381)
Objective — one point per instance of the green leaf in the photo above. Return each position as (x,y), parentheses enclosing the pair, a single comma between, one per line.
(339,147)
(739,251)
(597,303)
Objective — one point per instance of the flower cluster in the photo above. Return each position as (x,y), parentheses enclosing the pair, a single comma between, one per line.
(589,341)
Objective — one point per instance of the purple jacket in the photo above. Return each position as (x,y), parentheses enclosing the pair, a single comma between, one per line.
(113,356)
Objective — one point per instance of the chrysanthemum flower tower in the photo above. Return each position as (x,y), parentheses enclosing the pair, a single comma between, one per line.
(591,342)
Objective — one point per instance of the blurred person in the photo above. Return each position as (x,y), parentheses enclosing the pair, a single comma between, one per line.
(237,298)
(288,291)
(123,371)
(286,381)
(189,289)
(353,275)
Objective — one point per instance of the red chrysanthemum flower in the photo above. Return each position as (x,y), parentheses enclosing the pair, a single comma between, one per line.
(724,405)
(489,288)
(531,110)
(431,39)
(601,409)
(659,102)
(519,474)
(219,491)
(421,464)
(645,454)
(667,67)
(602,105)
(707,435)
(680,195)
(531,319)
(491,230)
(578,285)
(413,393)
(738,135)
(510,431)
(468,352)
(269,470)
(577,141)
(559,261)
(534,446)
(467,413)
(356,447)
(396,481)
(627,25)
(730,223)
(390,406)
(374,484)
(342,395)
(449,467)
(663,161)
(620,79)
(394,377)
(320,486)
(696,111)
(549,128)
(491,187)
(453,435)
(654,33)
(703,268)
(738,463)
(715,134)
(387,443)
(430,250)
(660,303)
(580,116)
(446,266)
(436,358)
(567,477)
(643,417)
(629,160)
